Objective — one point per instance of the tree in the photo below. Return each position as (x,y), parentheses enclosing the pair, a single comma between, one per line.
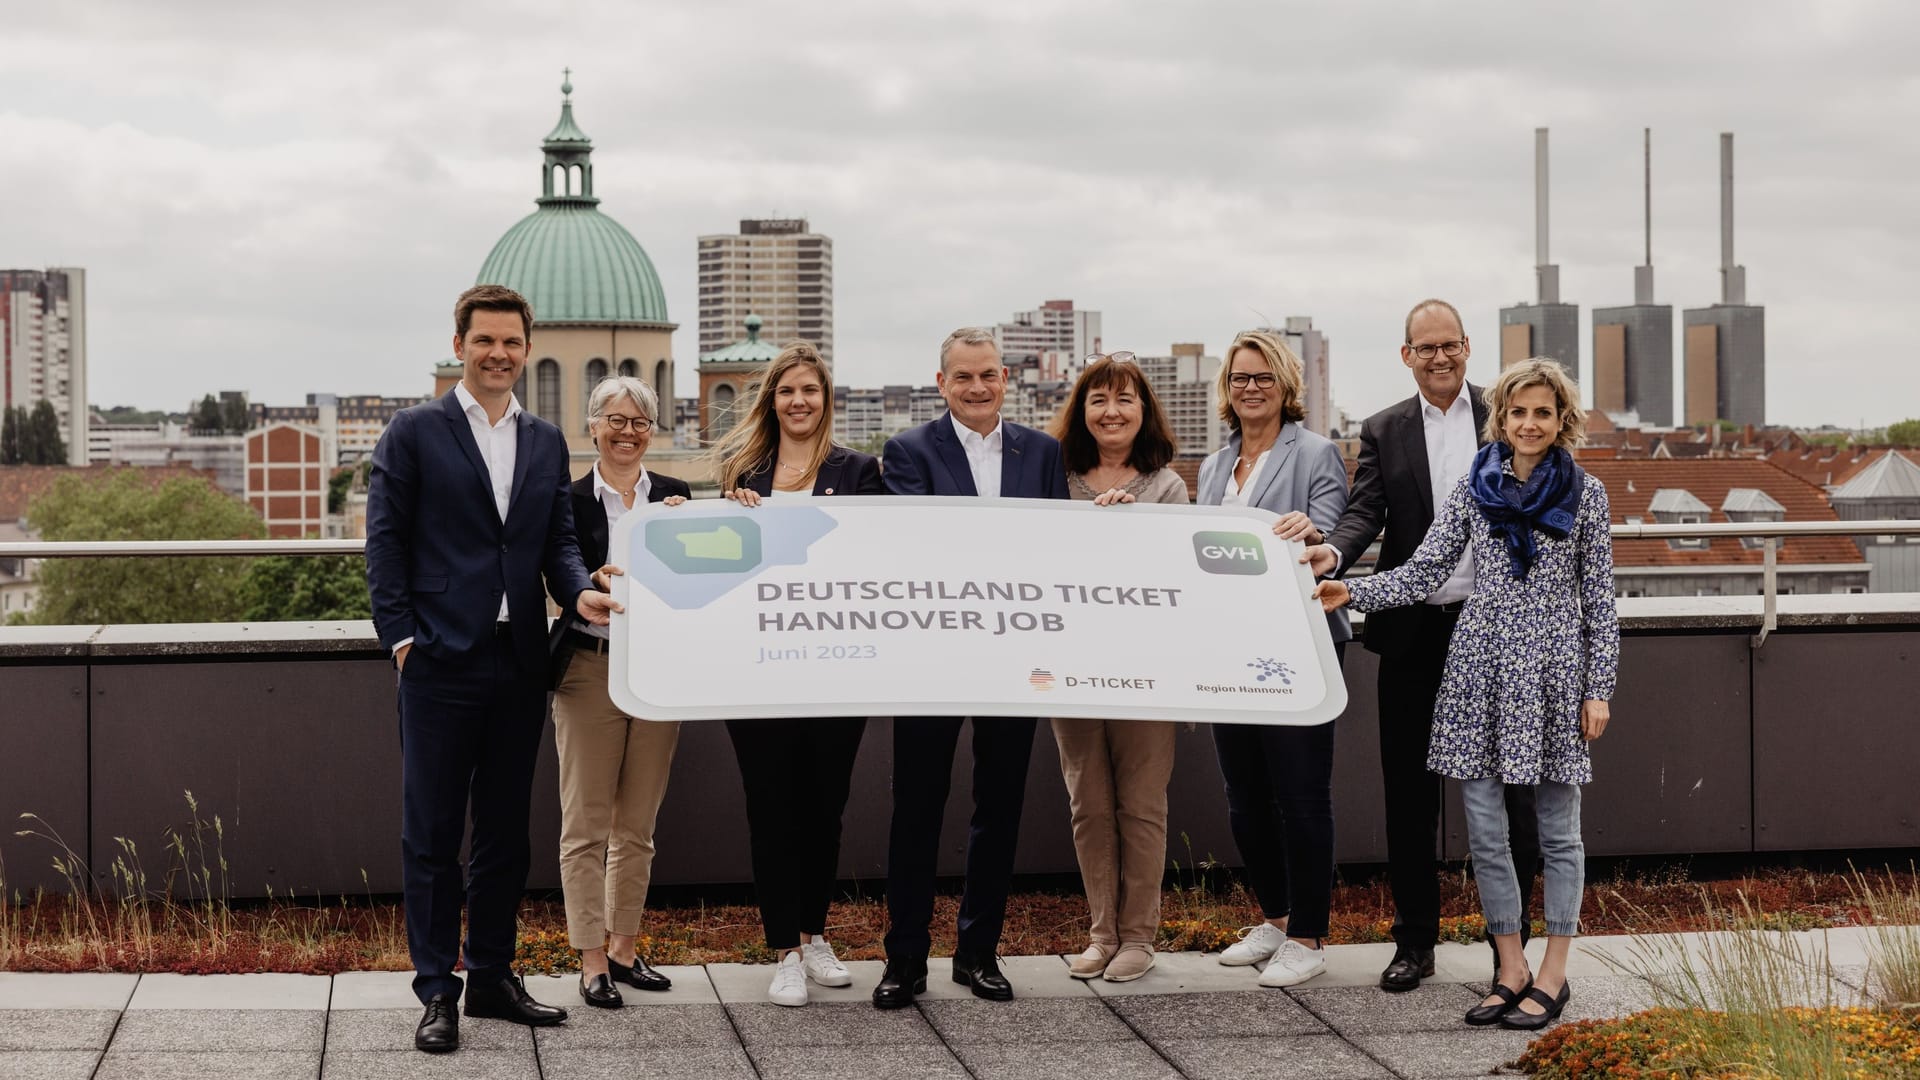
(48,447)
(233,416)
(9,437)
(337,487)
(125,504)
(300,588)
(1904,433)
(206,417)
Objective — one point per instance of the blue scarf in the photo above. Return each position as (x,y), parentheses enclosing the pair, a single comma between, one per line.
(1549,500)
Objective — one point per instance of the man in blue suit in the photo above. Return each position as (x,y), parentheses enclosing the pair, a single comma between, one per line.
(969,451)
(468,505)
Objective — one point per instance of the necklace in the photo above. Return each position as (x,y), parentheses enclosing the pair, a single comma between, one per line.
(795,468)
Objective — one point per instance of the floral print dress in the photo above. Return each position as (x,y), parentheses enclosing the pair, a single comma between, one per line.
(1525,653)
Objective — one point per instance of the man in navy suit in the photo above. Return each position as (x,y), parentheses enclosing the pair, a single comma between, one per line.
(468,505)
(969,451)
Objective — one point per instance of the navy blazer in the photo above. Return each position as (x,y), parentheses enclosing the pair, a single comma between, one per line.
(1393,490)
(1304,472)
(929,460)
(590,524)
(438,556)
(845,472)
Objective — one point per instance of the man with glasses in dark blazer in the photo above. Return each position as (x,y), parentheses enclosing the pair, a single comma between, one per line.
(969,451)
(1411,455)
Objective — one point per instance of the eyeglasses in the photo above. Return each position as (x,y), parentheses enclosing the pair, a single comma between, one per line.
(1240,380)
(1116,357)
(1451,348)
(639,425)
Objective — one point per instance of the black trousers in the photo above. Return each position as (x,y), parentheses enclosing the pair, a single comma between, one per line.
(796,775)
(922,767)
(1408,684)
(469,736)
(1280,807)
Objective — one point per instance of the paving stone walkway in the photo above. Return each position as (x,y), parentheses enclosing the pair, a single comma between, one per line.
(1189,1017)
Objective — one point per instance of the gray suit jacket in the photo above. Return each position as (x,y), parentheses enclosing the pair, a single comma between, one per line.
(1304,472)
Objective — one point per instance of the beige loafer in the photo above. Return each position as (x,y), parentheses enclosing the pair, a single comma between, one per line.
(1131,962)
(1089,964)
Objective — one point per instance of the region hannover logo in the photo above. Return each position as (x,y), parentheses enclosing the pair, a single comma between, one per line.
(1230,553)
(1041,679)
(704,546)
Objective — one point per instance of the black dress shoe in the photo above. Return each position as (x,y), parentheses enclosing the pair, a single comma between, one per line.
(1410,964)
(506,999)
(599,992)
(439,1029)
(1485,1015)
(898,984)
(639,976)
(1521,1020)
(983,974)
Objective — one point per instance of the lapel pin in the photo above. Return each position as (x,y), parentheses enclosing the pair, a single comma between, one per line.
(829,491)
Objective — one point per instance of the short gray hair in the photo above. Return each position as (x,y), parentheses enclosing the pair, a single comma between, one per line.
(967,335)
(618,386)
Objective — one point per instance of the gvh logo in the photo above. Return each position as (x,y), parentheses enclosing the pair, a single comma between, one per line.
(1041,679)
(1230,553)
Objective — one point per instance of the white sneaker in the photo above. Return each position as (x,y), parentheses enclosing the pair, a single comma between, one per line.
(789,982)
(822,966)
(1256,944)
(1294,963)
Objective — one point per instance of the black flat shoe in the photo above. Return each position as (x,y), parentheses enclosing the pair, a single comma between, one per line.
(639,976)
(599,992)
(983,975)
(1410,964)
(1519,1019)
(507,999)
(900,982)
(439,1030)
(1487,1015)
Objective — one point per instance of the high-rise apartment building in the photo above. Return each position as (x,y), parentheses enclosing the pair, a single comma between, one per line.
(1633,344)
(1054,336)
(1186,384)
(1726,344)
(1316,362)
(1545,327)
(43,348)
(776,268)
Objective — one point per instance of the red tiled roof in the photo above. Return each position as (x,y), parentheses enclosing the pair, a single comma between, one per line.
(1631,486)
(1189,470)
(1831,466)
(21,484)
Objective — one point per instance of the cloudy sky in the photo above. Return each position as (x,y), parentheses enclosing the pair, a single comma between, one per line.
(282,198)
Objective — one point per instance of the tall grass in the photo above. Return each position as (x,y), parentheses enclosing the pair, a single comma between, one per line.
(1893,941)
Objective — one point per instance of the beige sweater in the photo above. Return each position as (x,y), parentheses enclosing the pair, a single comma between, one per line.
(1163,486)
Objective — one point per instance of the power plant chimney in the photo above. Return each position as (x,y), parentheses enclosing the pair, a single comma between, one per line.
(1733,278)
(1643,274)
(1547,274)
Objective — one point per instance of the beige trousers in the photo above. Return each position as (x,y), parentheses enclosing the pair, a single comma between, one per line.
(613,774)
(1117,773)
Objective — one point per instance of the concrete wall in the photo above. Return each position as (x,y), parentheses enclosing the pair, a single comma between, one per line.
(289,734)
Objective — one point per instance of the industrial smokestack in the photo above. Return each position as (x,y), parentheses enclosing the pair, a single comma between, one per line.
(1643,274)
(1546,274)
(1733,278)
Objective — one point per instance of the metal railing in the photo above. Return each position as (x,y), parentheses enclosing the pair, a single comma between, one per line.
(1773,533)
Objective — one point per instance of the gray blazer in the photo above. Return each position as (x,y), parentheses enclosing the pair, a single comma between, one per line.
(1304,472)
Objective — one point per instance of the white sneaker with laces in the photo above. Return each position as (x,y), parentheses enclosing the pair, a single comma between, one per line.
(1292,964)
(822,966)
(789,982)
(1256,944)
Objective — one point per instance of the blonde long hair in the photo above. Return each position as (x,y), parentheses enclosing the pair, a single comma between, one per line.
(754,442)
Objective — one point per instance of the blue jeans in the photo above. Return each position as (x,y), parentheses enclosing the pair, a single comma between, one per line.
(1558,808)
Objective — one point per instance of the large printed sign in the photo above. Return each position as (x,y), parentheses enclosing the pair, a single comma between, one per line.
(873,606)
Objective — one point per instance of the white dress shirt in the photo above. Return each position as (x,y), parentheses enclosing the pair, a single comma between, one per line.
(1236,493)
(983,456)
(608,497)
(1451,444)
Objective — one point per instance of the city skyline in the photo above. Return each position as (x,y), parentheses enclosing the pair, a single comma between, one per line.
(242,231)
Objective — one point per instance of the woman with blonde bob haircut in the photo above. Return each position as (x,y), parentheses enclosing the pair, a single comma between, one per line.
(1532,664)
(796,773)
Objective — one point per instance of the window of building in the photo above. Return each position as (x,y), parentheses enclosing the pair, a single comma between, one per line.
(1856,590)
(630,368)
(547,390)
(1699,543)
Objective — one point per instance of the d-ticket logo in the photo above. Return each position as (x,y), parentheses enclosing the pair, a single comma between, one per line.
(1230,553)
(1041,679)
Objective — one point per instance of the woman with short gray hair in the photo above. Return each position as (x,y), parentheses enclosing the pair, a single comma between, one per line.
(613,767)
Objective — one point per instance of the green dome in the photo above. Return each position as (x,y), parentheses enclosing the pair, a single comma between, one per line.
(573,263)
(577,265)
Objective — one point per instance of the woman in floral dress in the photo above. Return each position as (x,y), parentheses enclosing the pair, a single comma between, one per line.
(1532,664)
